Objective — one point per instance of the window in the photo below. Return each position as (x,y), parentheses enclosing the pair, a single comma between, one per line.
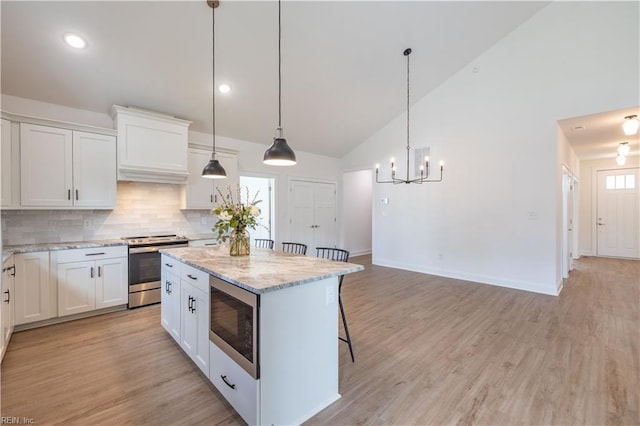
(621,182)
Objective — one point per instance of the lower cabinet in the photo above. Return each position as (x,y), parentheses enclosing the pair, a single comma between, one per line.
(32,288)
(170,297)
(235,384)
(90,279)
(6,304)
(194,316)
(184,311)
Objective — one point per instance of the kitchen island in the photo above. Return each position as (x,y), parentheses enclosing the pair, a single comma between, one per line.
(295,370)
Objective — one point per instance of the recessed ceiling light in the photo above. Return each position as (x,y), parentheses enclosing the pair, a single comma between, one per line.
(578,128)
(75,41)
(224,88)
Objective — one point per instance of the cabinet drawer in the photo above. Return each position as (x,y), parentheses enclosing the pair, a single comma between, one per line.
(203,243)
(96,253)
(170,265)
(244,395)
(197,278)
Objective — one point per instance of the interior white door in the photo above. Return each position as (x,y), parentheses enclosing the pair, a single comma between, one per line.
(301,223)
(313,214)
(264,188)
(325,216)
(618,212)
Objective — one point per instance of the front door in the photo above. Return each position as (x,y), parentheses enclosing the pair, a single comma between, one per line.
(618,213)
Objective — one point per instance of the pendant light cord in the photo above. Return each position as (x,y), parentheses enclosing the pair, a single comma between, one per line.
(279,70)
(408,146)
(213,79)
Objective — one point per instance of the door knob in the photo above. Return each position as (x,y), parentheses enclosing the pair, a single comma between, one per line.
(600,223)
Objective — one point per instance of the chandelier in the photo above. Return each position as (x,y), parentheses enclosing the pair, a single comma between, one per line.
(424,169)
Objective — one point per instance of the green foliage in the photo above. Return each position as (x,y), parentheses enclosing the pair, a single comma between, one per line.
(233,213)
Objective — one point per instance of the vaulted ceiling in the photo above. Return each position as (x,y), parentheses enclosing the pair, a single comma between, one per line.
(343,72)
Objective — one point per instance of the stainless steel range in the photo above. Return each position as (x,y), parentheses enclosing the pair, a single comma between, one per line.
(145,266)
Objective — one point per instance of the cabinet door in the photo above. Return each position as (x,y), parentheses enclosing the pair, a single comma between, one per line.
(76,287)
(170,306)
(33,296)
(94,170)
(6,169)
(201,312)
(188,320)
(6,305)
(45,166)
(199,191)
(111,282)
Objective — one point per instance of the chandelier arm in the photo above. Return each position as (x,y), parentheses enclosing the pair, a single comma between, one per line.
(408,145)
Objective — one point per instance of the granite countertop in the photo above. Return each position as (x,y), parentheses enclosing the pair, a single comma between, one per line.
(264,270)
(206,236)
(29,248)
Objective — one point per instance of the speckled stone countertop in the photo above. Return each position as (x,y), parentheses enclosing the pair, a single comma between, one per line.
(30,248)
(207,236)
(264,270)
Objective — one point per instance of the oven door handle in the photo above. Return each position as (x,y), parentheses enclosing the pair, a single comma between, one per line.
(135,250)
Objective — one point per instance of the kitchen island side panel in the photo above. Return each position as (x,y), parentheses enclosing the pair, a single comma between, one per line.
(298,351)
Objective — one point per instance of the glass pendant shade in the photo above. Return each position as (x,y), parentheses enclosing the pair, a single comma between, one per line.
(623,149)
(630,125)
(621,159)
(214,170)
(279,153)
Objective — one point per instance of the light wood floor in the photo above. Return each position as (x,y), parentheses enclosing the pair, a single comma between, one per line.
(429,350)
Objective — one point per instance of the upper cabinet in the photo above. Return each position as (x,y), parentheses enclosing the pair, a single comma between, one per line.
(66,168)
(201,193)
(6,165)
(152,147)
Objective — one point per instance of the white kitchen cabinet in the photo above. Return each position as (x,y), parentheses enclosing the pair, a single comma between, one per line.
(65,168)
(152,147)
(94,170)
(32,288)
(6,165)
(90,279)
(201,193)
(194,316)
(7,305)
(170,297)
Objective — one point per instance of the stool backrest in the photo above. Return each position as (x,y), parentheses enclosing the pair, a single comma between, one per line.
(297,248)
(332,253)
(264,243)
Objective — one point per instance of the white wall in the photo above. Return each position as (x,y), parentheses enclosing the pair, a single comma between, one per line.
(494,218)
(310,166)
(588,191)
(356,214)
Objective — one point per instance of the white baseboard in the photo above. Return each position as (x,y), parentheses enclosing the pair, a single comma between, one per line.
(552,289)
(360,252)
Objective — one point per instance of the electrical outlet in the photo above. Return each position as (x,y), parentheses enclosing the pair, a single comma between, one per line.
(87,223)
(331,296)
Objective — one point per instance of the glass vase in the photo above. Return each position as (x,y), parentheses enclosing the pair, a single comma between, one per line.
(239,243)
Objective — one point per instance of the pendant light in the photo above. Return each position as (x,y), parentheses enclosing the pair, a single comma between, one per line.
(630,125)
(213,169)
(424,170)
(279,153)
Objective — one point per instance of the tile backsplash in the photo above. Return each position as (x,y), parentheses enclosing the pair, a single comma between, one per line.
(142,208)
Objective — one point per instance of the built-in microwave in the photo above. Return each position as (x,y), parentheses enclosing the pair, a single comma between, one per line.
(233,325)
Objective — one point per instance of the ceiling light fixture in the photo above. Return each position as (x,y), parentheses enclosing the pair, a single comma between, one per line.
(624,148)
(224,88)
(75,41)
(620,160)
(279,153)
(630,125)
(213,169)
(424,170)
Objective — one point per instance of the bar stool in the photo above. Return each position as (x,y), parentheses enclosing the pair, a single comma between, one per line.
(338,255)
(297,248)
(264,243)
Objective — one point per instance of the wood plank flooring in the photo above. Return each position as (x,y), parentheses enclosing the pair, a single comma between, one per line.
(429,350)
